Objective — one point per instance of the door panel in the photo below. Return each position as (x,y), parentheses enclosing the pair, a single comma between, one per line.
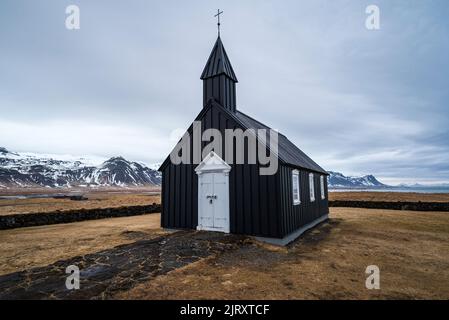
(206,218)
(221,214)
(214,202)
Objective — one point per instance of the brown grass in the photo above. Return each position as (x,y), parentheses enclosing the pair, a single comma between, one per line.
(96,200)
(40,246)
(411,248)
(390,196)
(329,262)
(113,199)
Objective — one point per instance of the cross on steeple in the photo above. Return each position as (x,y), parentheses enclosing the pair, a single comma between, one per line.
(219,80)
(218,17)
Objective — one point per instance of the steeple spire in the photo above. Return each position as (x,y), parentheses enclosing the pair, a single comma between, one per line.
(218,63)
(219,78)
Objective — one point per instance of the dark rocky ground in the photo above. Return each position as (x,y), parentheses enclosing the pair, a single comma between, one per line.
(108,272)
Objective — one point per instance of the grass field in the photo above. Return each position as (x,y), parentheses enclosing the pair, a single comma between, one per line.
(328,262)
(95,200)
(111,199)
(39,246)
(389,196)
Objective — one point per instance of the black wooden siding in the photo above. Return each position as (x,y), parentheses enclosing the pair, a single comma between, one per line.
(222,89)
(296,216)
(259,205)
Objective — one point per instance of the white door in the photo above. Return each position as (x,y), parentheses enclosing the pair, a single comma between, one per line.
(213,201)
(221,201)
(205,202)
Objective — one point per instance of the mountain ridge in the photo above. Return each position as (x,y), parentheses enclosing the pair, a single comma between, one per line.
(43,170)
(338,180)
(32,170)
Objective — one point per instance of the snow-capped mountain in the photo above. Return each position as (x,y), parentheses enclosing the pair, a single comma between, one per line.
(35,170)
(338,180)
(46,170)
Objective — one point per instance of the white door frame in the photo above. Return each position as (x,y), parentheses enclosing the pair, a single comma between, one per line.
(213,164)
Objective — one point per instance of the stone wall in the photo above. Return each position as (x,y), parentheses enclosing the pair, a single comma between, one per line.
(414,206)
(38,219)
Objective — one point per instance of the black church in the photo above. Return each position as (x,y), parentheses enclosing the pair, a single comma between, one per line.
(214,195)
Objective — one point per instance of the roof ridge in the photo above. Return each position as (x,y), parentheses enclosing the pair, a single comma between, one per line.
(261,123)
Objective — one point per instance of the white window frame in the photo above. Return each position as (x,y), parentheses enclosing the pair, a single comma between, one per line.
(311,187)
(295,177)
(323,196)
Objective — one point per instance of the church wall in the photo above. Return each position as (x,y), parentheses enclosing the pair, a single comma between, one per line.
(295,216)
(254,199)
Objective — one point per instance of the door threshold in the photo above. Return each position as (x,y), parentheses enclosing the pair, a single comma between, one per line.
(211,229)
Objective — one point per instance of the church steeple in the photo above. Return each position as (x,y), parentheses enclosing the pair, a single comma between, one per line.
(219,78)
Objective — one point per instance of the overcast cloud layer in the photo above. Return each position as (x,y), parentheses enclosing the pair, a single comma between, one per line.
(355,100)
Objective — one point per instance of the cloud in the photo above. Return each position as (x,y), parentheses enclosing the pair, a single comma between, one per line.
(139,143)
(356,101)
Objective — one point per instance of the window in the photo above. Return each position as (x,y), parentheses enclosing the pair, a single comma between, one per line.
(295,187)
(311,187)
(323,196)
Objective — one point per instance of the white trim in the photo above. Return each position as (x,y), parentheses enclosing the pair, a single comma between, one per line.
(323,196)
(311,187)
(295,234)
(212,163)
(212,166)
(295,177)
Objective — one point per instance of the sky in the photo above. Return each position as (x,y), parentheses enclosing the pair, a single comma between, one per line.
(357,101)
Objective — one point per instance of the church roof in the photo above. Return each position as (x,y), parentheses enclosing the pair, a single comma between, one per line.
(218,63)
(288,152)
